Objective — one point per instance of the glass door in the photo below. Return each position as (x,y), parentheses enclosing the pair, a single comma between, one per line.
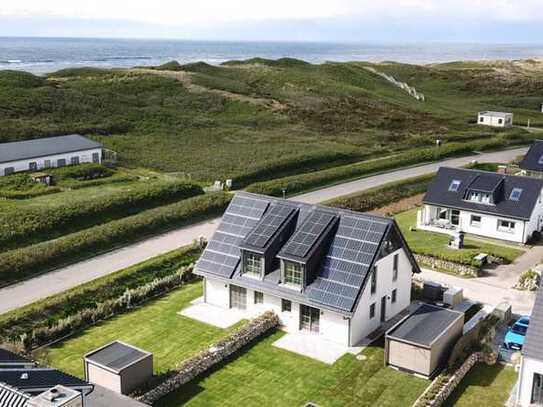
(309,319)
(238,297)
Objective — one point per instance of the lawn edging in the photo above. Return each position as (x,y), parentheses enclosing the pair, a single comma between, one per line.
(214,355)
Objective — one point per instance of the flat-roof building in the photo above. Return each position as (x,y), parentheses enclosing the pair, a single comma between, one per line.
(495,119)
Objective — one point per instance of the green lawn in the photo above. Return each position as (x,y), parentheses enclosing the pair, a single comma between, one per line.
(435,244)
(155,327)
(484,386)
(268,376)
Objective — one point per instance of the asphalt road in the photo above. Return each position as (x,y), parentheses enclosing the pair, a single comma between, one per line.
(54,282)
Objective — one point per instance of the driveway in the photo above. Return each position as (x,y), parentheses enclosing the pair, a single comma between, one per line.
(67,277)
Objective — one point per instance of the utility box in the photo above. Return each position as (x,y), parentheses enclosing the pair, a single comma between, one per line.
(432,291)
(58,396)
(453,296)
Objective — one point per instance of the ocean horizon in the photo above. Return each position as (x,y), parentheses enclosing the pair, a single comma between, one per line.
(43,55)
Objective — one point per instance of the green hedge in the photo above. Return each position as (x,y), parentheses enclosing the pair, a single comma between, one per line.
(31,260)
(22,186)
(25,225)
(47,312)
(82,172)
(304,182)
(114,179)
(378,197)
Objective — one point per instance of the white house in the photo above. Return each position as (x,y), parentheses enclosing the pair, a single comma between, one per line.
(495,119)
(530,384)
(483,203)
(334,273)
(38,154)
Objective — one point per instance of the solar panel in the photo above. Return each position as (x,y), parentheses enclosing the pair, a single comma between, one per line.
(307,235)
(247,206)
(269,225)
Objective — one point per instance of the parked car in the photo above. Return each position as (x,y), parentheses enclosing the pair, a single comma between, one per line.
(515,336)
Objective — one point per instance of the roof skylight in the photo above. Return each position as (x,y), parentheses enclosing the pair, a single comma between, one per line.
(515,194)
(455,184)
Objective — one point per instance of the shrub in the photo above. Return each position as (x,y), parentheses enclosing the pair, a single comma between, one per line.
(22,263)
(21,226)
(82,172)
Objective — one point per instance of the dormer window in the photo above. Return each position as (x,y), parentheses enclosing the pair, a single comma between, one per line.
(515,194)
(293,274)
(252,265)
(455,184)
(479,197)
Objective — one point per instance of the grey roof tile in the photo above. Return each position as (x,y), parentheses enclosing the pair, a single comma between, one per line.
(533,346)
(531,160)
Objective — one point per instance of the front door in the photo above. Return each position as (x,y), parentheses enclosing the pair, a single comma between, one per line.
(537,390)
(455,217)
(384,309)
(238,297)
(309,318)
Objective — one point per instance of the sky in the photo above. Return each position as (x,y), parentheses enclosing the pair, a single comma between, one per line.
(500,21)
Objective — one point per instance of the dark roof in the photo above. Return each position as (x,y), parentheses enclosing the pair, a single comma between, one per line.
(102,397)
(354,244)
(40,379)
(116,356)
(11,397)
(10,358)
(533,345)
(27,149)
(439,193)
(533,156)
(425,325)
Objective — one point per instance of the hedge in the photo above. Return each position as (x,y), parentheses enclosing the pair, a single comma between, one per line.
(31,260)
(82,172)
(304,182)
(25,225)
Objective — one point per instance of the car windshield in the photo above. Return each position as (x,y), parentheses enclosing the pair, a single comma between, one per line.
(519,329)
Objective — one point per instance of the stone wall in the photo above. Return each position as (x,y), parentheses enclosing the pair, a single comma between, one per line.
(439,264)
(210,357)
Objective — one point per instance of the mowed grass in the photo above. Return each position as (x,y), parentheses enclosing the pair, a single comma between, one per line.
(268,376)
(155,327)
(484,386)
(435,244)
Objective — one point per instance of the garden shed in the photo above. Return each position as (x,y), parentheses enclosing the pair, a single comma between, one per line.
(119,367)
(421,342)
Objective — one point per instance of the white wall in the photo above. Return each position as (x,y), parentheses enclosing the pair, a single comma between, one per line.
(526,375)
(85,156)
(217,293)
(361,324)
(495,121)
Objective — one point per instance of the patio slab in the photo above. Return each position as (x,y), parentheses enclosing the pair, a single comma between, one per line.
(212,315)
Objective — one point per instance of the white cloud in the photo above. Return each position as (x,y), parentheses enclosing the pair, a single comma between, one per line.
(208,12)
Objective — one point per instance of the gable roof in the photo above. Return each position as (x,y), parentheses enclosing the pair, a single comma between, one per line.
(439,192)
(42,147)
(533,156)
(354,242)
(533,345)
(11,397)
(40,379)
(116,356)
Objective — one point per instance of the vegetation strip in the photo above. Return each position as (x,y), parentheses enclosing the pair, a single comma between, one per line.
(18,264)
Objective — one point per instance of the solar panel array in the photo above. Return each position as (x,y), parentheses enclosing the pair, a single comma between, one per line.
(269,225)
(348,261)
(307,235)
(222,254)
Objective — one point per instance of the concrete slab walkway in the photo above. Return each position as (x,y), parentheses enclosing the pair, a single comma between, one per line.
(212,315)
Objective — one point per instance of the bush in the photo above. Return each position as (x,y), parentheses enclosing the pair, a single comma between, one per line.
(22,263)
(83,172)
(21,226)
(49,311)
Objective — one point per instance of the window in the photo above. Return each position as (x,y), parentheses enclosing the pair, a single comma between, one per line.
(47,164)
(74,160)
(374,280)
(443,213)
(394,295)
(372,311)
(259,297)
(479,197)
(500,121)
(293,273)
(506,226)
(481,119)
(515,194)
(454,185)
(455,217)
(475,221)
(33,166)
(9,170)
(286,306)
(537,389)
(253,264)
(395,267)
(95,157)
(61,162)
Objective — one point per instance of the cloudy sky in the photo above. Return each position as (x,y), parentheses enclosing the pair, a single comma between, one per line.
(332,20)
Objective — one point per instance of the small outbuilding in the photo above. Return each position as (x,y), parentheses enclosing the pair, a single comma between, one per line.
(119,367)
(421,342)
(495,119)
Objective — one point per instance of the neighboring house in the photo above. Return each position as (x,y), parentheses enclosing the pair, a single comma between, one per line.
(10,360)
(43,153)
(532,163)
(335,273)
(483,203)
(530,384)
(495,119)
(421,342)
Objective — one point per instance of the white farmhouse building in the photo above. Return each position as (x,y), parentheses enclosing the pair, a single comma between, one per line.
(333,273)
(495,119)
(49,152)
(530,384)
(483,203)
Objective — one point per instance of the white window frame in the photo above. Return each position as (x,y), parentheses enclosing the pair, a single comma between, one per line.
(293,273)
(395,266)
(473,223)
(394,296)
(252,261)
(372,311)
(454,185)
(510,228)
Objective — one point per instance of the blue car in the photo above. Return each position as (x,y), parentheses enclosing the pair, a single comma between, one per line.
(514,339)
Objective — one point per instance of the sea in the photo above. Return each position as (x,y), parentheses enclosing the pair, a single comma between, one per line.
(43,55)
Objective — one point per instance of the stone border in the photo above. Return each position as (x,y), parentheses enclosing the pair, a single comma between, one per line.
(215,354)
(450,266)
